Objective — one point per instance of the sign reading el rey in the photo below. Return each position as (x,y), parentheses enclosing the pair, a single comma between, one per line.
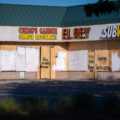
(75,33)
(35,33)
(91,33)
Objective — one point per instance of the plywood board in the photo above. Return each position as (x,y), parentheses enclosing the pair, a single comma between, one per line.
(91,64)
(45,62)
(101,60)
(54,54)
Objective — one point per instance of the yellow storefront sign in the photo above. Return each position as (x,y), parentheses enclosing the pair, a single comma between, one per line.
(46,37)
(37,37)
(118,31)
(26,36)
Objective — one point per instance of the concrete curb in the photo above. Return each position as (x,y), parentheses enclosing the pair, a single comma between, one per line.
(108,83)
(83,82)
(19,81)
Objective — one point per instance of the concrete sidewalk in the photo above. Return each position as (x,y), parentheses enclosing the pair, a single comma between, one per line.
(20,81)
(27,81)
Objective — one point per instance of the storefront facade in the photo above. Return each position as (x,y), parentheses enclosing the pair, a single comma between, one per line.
(57,52)
(31,52)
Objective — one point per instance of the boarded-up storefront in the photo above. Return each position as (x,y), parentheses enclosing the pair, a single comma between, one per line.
(39,42)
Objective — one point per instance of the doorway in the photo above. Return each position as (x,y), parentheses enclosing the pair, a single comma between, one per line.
(91,64)
(97,62)
(45,62)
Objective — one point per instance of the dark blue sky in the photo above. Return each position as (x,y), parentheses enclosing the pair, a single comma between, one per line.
(49,2)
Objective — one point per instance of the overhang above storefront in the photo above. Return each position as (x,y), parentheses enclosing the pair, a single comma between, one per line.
(53,16)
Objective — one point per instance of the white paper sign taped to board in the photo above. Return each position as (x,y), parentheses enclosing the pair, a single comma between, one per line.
(78,60)
(60,62)
(22,74)
(115,62)
(20,59)
(54,68)
(0,60)
(8,60)
(61,54)
(32,59)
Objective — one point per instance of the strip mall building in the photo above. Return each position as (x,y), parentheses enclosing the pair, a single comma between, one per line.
(42,42)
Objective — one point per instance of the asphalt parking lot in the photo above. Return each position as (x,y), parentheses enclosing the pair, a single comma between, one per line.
(53,89)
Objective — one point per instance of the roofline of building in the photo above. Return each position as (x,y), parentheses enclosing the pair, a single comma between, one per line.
(33,5)
(51,5)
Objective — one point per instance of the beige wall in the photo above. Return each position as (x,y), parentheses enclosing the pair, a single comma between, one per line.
(16,75)
(71,75)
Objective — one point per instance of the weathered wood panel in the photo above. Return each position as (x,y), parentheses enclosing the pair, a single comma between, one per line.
(91,64)
(54,53)
(45,62)
(101,61)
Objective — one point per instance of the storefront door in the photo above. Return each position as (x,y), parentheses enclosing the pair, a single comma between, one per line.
(101,62)
(91,64)
(45,62)
(97,62)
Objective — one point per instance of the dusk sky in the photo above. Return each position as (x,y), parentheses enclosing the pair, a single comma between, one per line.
(49,2)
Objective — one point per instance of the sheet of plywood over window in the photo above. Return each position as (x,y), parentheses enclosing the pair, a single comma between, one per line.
(91,64)
(45,62)
(97,56)
(114,54)
(98,61)
(23,59)
(58,57)
(101,61)
(78,60)
(115,60)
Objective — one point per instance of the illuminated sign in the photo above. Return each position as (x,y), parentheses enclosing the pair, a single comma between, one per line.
(76,33)
(27,33)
